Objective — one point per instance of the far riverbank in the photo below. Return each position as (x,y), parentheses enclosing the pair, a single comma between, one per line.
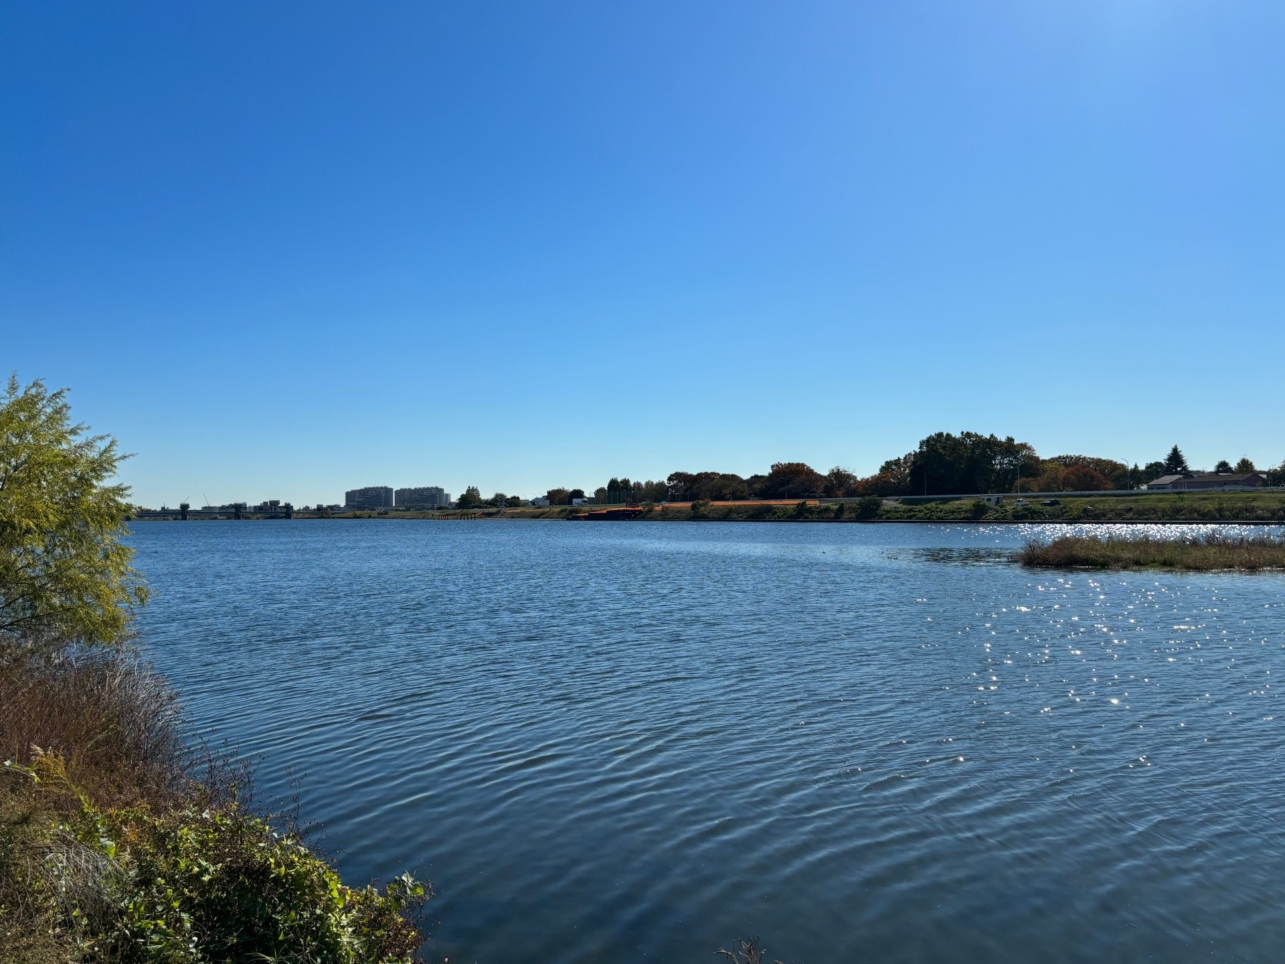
(1144,507)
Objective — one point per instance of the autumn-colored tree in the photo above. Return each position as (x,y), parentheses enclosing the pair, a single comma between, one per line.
(1115,473)
(1081,478)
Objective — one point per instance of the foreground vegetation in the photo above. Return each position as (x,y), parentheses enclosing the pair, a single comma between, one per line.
(117,844)
(1210,553)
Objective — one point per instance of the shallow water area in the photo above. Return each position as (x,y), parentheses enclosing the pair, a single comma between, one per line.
(640,741)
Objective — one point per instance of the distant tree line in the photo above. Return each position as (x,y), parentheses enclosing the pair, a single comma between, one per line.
(942,464)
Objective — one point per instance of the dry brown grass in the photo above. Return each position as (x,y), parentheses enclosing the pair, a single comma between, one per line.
(110,718)
(102,723)
(1207,554)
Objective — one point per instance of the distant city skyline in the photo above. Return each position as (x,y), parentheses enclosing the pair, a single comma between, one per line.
(276,250)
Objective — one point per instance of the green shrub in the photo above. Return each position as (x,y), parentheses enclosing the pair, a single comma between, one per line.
(220,885)
(869,507)
(194,885)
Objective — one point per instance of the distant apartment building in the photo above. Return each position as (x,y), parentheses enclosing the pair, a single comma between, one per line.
(371,497)
(423,497)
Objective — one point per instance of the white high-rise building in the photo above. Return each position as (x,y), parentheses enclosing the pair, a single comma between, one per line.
(423,497)
(371,497)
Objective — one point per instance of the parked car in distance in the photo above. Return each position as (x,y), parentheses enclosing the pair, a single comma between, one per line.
(1051,502)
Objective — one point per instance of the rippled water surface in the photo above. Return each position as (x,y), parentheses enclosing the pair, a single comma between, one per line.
(639,741)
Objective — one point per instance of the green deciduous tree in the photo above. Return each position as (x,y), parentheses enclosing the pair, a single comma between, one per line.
(791,480)
(471,498)
(691,486)
(618,491)
(839,483)
(65,574)
(969,462)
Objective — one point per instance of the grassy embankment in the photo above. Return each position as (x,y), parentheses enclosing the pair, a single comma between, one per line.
(118,845)
(1207,554)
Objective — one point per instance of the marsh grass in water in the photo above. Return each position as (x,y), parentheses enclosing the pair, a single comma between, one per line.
(1210,553)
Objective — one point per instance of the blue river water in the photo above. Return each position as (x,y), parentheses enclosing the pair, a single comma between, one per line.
(640,741)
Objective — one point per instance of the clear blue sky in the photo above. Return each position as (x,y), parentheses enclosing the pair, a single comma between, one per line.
(280,250)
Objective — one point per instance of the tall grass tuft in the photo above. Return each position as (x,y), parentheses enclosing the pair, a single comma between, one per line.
(107,715)
(1209,553)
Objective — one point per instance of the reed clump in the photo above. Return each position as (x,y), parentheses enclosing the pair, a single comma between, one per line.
(1202,554)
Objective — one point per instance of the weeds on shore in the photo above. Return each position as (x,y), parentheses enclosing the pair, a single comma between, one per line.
(1200,554)
(119,845)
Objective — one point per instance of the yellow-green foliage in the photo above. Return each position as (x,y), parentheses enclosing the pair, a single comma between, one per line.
(64,572)
(193,885)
